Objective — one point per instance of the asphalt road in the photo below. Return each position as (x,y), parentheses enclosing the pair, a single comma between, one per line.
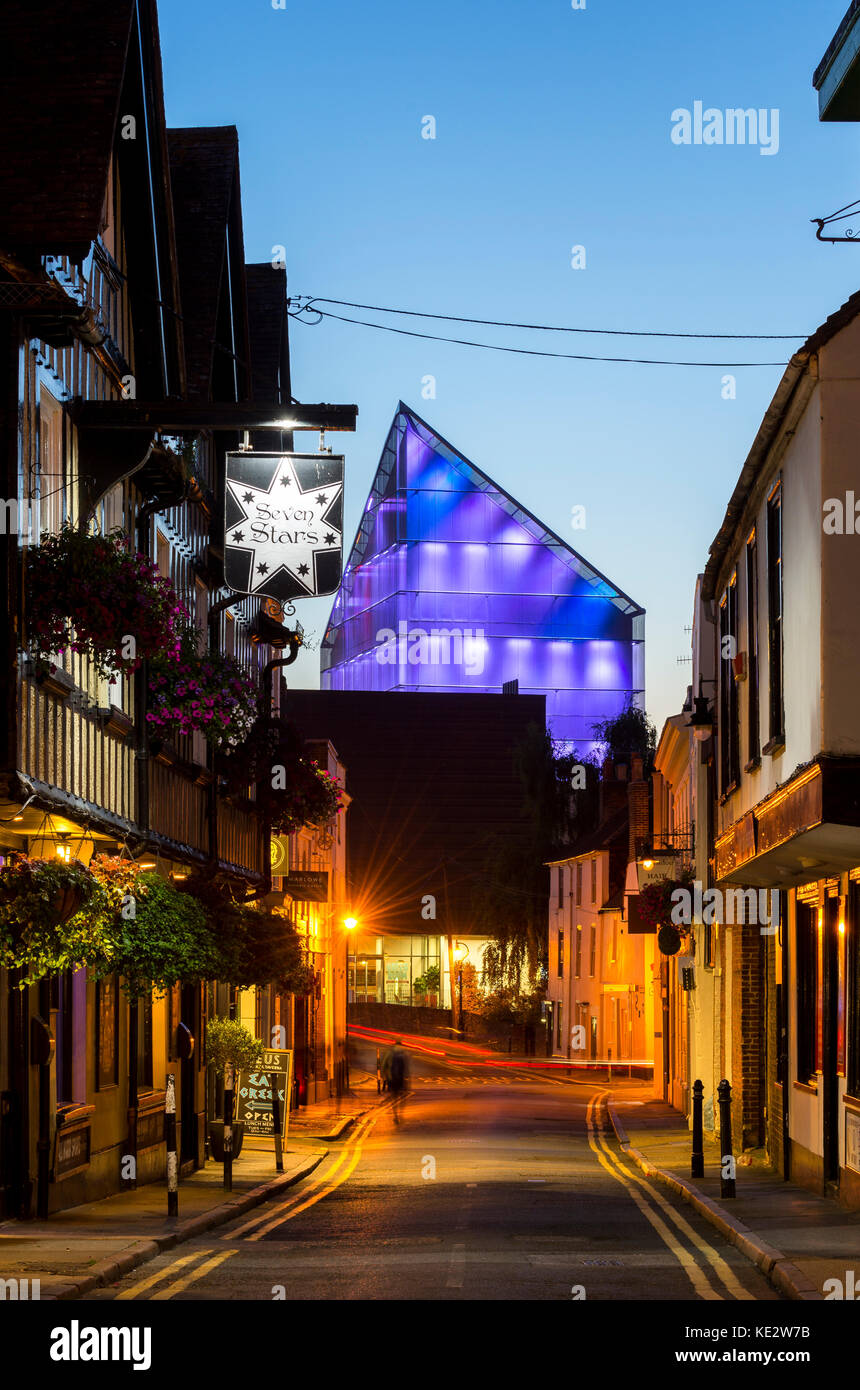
(499,1183)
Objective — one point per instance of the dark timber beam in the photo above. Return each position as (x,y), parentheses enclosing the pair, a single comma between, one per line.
(189,416)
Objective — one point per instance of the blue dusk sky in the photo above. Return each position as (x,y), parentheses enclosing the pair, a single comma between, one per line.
(553,130)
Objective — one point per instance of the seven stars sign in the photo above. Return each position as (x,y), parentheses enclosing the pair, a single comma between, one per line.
(283,529)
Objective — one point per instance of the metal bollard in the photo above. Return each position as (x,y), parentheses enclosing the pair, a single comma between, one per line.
(697,1164)
(727,1184)
(170,1141)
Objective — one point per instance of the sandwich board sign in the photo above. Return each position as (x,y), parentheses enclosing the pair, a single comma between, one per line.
(283,524)
(255,1092)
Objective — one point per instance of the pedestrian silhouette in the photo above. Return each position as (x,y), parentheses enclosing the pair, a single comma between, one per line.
(397,1076)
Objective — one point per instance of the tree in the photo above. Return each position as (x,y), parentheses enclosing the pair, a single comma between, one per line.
(631,731)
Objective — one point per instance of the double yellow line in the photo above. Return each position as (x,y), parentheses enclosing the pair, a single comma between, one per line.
(143,1285)
(261,1223)
(720,1271)
(319,1187)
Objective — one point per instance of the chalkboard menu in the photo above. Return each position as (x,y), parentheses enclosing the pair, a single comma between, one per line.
(254,1091)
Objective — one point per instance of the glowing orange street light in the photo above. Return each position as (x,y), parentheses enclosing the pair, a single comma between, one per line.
(350,923)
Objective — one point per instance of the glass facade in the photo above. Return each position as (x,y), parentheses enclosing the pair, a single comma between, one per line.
(385,969)
(451,585)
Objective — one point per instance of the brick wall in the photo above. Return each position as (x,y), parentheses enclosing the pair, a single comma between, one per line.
(747,1036)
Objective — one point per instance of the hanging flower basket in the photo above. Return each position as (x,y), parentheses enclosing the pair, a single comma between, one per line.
(42,903)
(207,693)
(149,932)
(310,797)
(669,940)
(255,946)
(96,596)
(656,904)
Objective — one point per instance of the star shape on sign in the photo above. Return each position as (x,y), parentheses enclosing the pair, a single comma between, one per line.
(282,537)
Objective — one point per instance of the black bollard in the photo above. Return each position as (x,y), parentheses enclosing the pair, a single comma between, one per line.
(229,1083)
(697,1165)
(170,1143)
(727,1184)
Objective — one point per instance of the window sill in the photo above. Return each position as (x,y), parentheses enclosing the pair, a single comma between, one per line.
(728,793)
(810,1087)
(774,746)
(852,1103)
(753,765)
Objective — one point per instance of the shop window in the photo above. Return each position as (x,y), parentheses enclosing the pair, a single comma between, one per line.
(144,1044)
(853,977)
(62,1001)
(107,1029)
(808,980)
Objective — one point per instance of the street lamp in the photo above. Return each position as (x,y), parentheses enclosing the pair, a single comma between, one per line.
(460,953)
(350,924)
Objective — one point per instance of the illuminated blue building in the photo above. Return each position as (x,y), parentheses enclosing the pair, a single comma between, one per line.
(451,585)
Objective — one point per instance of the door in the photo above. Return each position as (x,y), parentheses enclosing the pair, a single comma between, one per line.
(189,1130)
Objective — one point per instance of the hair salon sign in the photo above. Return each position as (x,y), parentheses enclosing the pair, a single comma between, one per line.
(283,529)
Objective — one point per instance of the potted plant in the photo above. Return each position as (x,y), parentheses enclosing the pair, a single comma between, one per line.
(431,986)
(419,990)
(97,596)
(230,1049)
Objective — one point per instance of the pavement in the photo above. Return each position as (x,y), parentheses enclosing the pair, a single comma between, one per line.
(795,1237)
(98,1243)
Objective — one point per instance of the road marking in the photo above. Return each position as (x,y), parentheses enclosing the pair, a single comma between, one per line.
(165,1273)
(458,1259)
(694,1273)
(198,1273)
(723,1270)
(285,1209)
(304,1200)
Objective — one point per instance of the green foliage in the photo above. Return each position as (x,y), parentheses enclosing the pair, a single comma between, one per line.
(254,947)
(149,933)
(431,977)
(37,934)
(506,1004)
(631,731)
(229,1042)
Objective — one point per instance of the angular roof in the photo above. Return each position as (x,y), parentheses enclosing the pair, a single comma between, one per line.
(59,104)
(482,483)
(768,430)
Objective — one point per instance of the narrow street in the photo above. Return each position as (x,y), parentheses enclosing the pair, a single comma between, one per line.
(500,1182)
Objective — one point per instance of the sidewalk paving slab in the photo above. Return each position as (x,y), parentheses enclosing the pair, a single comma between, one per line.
(797,1238)
(97,1243)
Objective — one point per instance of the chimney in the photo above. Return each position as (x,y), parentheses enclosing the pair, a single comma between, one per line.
(613,791)
(639,807)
